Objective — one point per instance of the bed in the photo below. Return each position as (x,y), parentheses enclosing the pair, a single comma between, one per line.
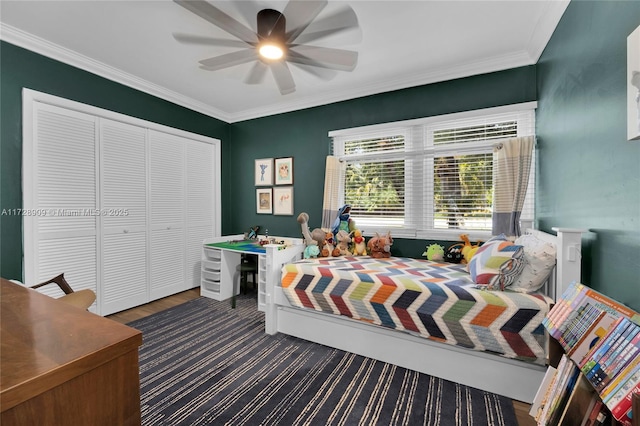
(425,316)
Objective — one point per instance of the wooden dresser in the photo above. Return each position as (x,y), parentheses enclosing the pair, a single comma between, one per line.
(60,365)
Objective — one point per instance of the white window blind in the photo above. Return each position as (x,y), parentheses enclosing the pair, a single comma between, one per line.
(431,177)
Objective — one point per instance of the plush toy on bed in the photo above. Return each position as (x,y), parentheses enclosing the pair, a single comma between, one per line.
(454,253)
(328,247)
(343,222)
(434,252)
(468,249)
(312,248)
(317,235)
(359,245)
(311,251)
(343,243)
(380,246)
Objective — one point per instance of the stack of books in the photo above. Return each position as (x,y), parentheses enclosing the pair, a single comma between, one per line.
(601,340)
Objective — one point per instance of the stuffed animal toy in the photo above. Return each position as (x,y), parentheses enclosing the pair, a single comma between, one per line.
(454,253)
(343,221)
(328,247)
(380,246)
(311,251)
(359,245)
(343,243)
(434,252)
(317,235)
(468,249)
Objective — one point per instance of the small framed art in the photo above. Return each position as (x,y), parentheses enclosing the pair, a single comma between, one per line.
(264,172)
(284,171)
(633,85)
(264,201)
(283,200)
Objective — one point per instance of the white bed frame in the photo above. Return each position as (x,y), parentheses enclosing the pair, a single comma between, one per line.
(515,379)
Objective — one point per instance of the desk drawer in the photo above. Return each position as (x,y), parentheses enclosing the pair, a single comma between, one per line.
(211,265)
(212,253)
(211,285)
(211,275)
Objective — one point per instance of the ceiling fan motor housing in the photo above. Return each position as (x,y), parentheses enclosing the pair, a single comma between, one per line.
(271,27)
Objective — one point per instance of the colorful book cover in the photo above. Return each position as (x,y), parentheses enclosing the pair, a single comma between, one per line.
(603,346)
(601,369)
(590,337)
(562,308)
(577,329)
(571,308)
(628,353)
(615,385)
(623,406)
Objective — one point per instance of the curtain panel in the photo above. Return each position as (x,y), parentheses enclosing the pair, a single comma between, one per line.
(334,172)
(511,167)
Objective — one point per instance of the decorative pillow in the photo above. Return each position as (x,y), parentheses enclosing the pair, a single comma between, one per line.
(539,260)
(497,264)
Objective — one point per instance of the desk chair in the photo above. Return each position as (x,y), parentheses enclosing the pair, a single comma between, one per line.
(248,264)
(81,299)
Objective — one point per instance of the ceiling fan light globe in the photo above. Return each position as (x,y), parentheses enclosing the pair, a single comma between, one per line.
(271,51)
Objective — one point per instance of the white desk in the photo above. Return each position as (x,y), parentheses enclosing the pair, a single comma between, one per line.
(218,266)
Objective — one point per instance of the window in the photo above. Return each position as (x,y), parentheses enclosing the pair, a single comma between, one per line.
(428,178)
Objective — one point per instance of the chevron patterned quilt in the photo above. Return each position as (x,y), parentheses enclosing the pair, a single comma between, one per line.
(434,300)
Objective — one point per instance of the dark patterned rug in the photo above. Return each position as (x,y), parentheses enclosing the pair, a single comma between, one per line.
(202,363)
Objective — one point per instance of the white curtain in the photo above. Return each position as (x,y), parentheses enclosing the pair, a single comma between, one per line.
(334,172)
(511,167)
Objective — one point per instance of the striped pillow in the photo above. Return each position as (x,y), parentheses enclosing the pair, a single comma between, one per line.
(497,264)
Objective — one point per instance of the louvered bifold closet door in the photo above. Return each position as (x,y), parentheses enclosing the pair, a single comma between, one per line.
(59,185)
(123,216)
(200,172)
(167,214)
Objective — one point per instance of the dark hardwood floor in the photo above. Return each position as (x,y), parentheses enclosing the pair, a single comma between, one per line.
(522,409)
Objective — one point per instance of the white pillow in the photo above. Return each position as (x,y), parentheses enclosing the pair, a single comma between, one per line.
(539,260)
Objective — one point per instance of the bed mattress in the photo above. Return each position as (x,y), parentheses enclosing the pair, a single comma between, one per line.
(434,300)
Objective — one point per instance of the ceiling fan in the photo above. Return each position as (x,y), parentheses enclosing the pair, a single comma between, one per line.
(280,38)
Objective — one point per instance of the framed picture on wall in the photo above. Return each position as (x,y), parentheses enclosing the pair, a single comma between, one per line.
(284,171)
(264,172)
(283,200)
(633,85)
(264,201)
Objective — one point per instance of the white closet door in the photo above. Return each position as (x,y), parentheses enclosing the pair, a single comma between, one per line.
(123,216)
(200,212)
(59,186)
(167,186)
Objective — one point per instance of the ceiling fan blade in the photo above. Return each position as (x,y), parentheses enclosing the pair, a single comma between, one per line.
(339,21)
(283,77)
(209,41)
(248,10)
(324,57)
(300,14)
(325,74)
(229,60)
(257,73)
(220,19)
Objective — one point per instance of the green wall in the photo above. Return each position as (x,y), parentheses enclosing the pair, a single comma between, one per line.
(22,68)
(589,173)
(303,135)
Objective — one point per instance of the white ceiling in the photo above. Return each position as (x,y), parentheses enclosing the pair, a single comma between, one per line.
(400,44)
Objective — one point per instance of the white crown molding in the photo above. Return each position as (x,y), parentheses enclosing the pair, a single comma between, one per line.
(51,50)
(545,27)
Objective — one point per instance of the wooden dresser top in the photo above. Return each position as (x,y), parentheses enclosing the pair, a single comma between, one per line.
(46,342)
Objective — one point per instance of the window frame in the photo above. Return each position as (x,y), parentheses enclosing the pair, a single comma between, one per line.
(419,142)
